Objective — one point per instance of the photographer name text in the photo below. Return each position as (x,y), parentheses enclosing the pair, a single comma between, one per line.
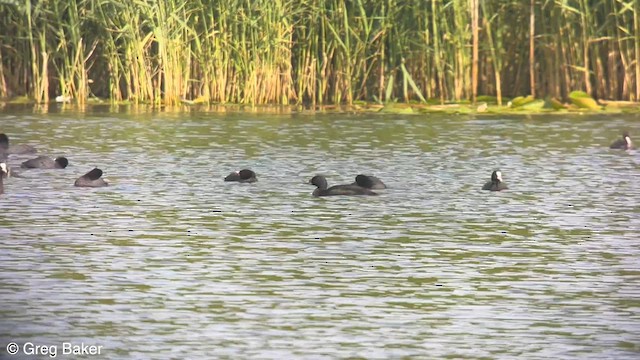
(66,348)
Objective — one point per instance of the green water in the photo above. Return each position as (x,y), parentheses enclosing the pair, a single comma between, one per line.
(170,262)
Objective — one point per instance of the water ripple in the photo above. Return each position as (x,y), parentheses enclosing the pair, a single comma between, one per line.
(172,262)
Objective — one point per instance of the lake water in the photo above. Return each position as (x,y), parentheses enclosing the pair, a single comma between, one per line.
(170,262)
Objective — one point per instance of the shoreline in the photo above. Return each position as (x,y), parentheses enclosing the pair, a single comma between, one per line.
(535,107)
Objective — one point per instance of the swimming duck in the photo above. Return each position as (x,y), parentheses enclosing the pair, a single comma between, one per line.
(323,189)
(243,176)
(91,179)
(15,149)
(45,162)
(624,143)
(496,183)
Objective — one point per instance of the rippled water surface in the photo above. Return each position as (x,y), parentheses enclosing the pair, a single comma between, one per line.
(170,262)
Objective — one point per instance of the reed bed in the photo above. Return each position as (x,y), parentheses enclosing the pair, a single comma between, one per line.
(318,51)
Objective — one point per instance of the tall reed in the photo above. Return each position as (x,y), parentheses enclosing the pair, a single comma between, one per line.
(318,51)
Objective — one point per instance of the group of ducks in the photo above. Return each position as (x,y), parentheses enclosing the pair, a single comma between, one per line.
(363,185)
(91,179)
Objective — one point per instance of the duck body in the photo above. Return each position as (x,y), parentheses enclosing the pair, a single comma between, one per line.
(496,183)
(243,176)
(369,182)
(45,162)
(91,179)
(624,143)
(323,190)
(6,149)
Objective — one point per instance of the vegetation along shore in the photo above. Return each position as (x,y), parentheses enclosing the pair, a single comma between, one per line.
(319,52)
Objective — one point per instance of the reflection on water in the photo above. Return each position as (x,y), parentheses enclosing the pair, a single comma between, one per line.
(172,262)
